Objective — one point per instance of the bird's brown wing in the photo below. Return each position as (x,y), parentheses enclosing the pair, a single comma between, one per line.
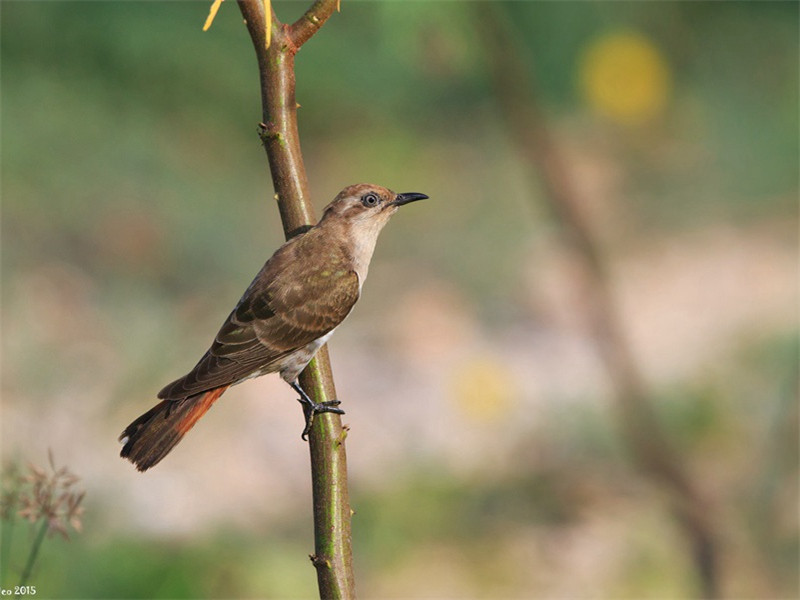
(285,308)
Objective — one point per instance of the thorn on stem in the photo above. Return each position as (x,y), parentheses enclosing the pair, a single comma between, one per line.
(319,561)
(343,435)
(267,132)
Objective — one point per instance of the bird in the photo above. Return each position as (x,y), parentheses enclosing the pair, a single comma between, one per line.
(291,308)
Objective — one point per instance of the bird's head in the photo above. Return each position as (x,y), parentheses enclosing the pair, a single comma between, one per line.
(369,205)
(358,214)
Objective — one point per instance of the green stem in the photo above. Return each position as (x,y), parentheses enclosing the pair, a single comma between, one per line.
(37,543)
(5,551)
(332,556)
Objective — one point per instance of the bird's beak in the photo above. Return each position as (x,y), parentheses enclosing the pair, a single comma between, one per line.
(408,197)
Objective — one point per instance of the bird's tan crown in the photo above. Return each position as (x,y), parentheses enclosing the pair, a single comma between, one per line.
(359,189)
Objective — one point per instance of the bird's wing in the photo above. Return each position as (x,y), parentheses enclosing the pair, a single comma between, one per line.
(283,310)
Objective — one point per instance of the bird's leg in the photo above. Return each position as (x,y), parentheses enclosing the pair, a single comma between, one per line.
(311,408)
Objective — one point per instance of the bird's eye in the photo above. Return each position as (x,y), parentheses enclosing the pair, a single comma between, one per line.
(370,199)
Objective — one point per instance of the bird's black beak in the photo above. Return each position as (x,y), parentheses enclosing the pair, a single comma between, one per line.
(408,197)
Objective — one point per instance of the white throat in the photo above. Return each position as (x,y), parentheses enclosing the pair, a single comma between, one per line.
(364,234)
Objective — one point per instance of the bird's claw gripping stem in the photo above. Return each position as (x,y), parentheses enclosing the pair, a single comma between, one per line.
(311,408)
(311,411)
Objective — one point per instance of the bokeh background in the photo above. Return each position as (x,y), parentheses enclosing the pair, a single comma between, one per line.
(485,455)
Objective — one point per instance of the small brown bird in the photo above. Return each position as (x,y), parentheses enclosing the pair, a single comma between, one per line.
(287,313)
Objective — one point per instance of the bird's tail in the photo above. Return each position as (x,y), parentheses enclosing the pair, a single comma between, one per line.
(150,437)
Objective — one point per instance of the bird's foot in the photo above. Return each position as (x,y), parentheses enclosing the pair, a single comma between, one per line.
(311,408)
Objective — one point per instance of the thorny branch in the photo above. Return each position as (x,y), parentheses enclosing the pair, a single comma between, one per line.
(278,131)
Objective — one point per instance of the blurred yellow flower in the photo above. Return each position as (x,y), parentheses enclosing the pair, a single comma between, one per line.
(482,390)
(625,77)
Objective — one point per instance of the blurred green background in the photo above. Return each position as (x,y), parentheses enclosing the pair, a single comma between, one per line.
(485,460)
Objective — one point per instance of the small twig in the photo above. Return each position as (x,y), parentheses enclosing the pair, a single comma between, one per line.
(314,18)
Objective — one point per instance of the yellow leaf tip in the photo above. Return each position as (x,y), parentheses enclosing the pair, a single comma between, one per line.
(211,14)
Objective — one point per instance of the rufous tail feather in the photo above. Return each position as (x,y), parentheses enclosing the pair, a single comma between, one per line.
(150,437)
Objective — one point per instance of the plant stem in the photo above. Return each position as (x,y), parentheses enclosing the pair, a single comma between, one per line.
(37,543)
(5,551)
(278,131)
